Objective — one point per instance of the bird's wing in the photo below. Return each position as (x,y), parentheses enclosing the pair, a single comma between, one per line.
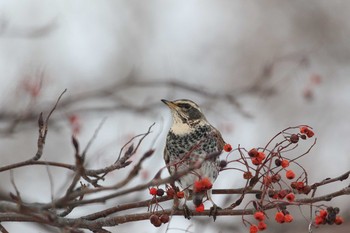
(220,141)
(166,159)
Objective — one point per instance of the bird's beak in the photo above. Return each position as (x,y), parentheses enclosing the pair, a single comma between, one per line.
(170,104)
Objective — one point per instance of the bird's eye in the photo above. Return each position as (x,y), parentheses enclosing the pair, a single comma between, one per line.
(184,106)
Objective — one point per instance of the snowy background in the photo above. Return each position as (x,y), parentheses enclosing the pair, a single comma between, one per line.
(285,62)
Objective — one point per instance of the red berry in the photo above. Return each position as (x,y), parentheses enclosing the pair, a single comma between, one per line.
(275,178)
(164,218)
(260,216)
(247,175)
(290,197)
(290,174)
(323,213)
(180,194)
(170,192)
(338,220)
(306,189)
(305,130)
(253,229)
(284,163)
(227,147)
(279,217)
(200,208)
(154,219)
(153,191)
(288,218)
(206,183)
(198,187)
(319,220)
(282,193)
(261,155)
(300,185)
(253,153)
(262,226)
(256,161)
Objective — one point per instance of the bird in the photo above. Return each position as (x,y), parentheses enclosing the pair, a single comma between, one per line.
(192,141)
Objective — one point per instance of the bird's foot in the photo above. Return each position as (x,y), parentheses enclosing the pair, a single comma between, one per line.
(187,212)
(214,211)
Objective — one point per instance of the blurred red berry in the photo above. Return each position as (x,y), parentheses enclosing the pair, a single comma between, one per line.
(200,208)
(284,163)
(170,192)
(153,191)
(256,161)
(262,226)
(315,79)
(323,213)
(206,183)
(279,217)
(290,197)
(282,194)
(288,218)
(164,218)
(253,153)
(338,220)
(180,194)
(260,216)
(227,147)
(300,185)
(275,178)
(319,220)
(253,229)
(290,174)
(308,132)
(261,155)
(198,187)
(154,219)
(247,175)
(203,184)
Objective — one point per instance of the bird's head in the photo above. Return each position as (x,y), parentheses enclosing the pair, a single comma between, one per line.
(185,112)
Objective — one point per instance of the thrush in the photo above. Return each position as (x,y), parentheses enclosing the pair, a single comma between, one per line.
(191,142)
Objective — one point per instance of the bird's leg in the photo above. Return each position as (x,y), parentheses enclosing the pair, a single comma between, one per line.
(187,212)
(214,209)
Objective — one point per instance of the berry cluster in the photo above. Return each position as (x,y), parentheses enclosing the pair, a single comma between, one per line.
(201,185)
(170,192)
(283,216)
(256,156)
(329,216)
(156,192)
(269,171)
(306,131)
(158,220)
(260,216)
(272,170)
(280,217)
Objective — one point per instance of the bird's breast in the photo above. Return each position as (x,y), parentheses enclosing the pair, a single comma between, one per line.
(197,142)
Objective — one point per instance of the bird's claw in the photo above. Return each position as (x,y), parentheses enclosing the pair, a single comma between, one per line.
(214,211)
(187,212)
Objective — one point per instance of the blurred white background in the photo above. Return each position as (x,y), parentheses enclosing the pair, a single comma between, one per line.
(285,62)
